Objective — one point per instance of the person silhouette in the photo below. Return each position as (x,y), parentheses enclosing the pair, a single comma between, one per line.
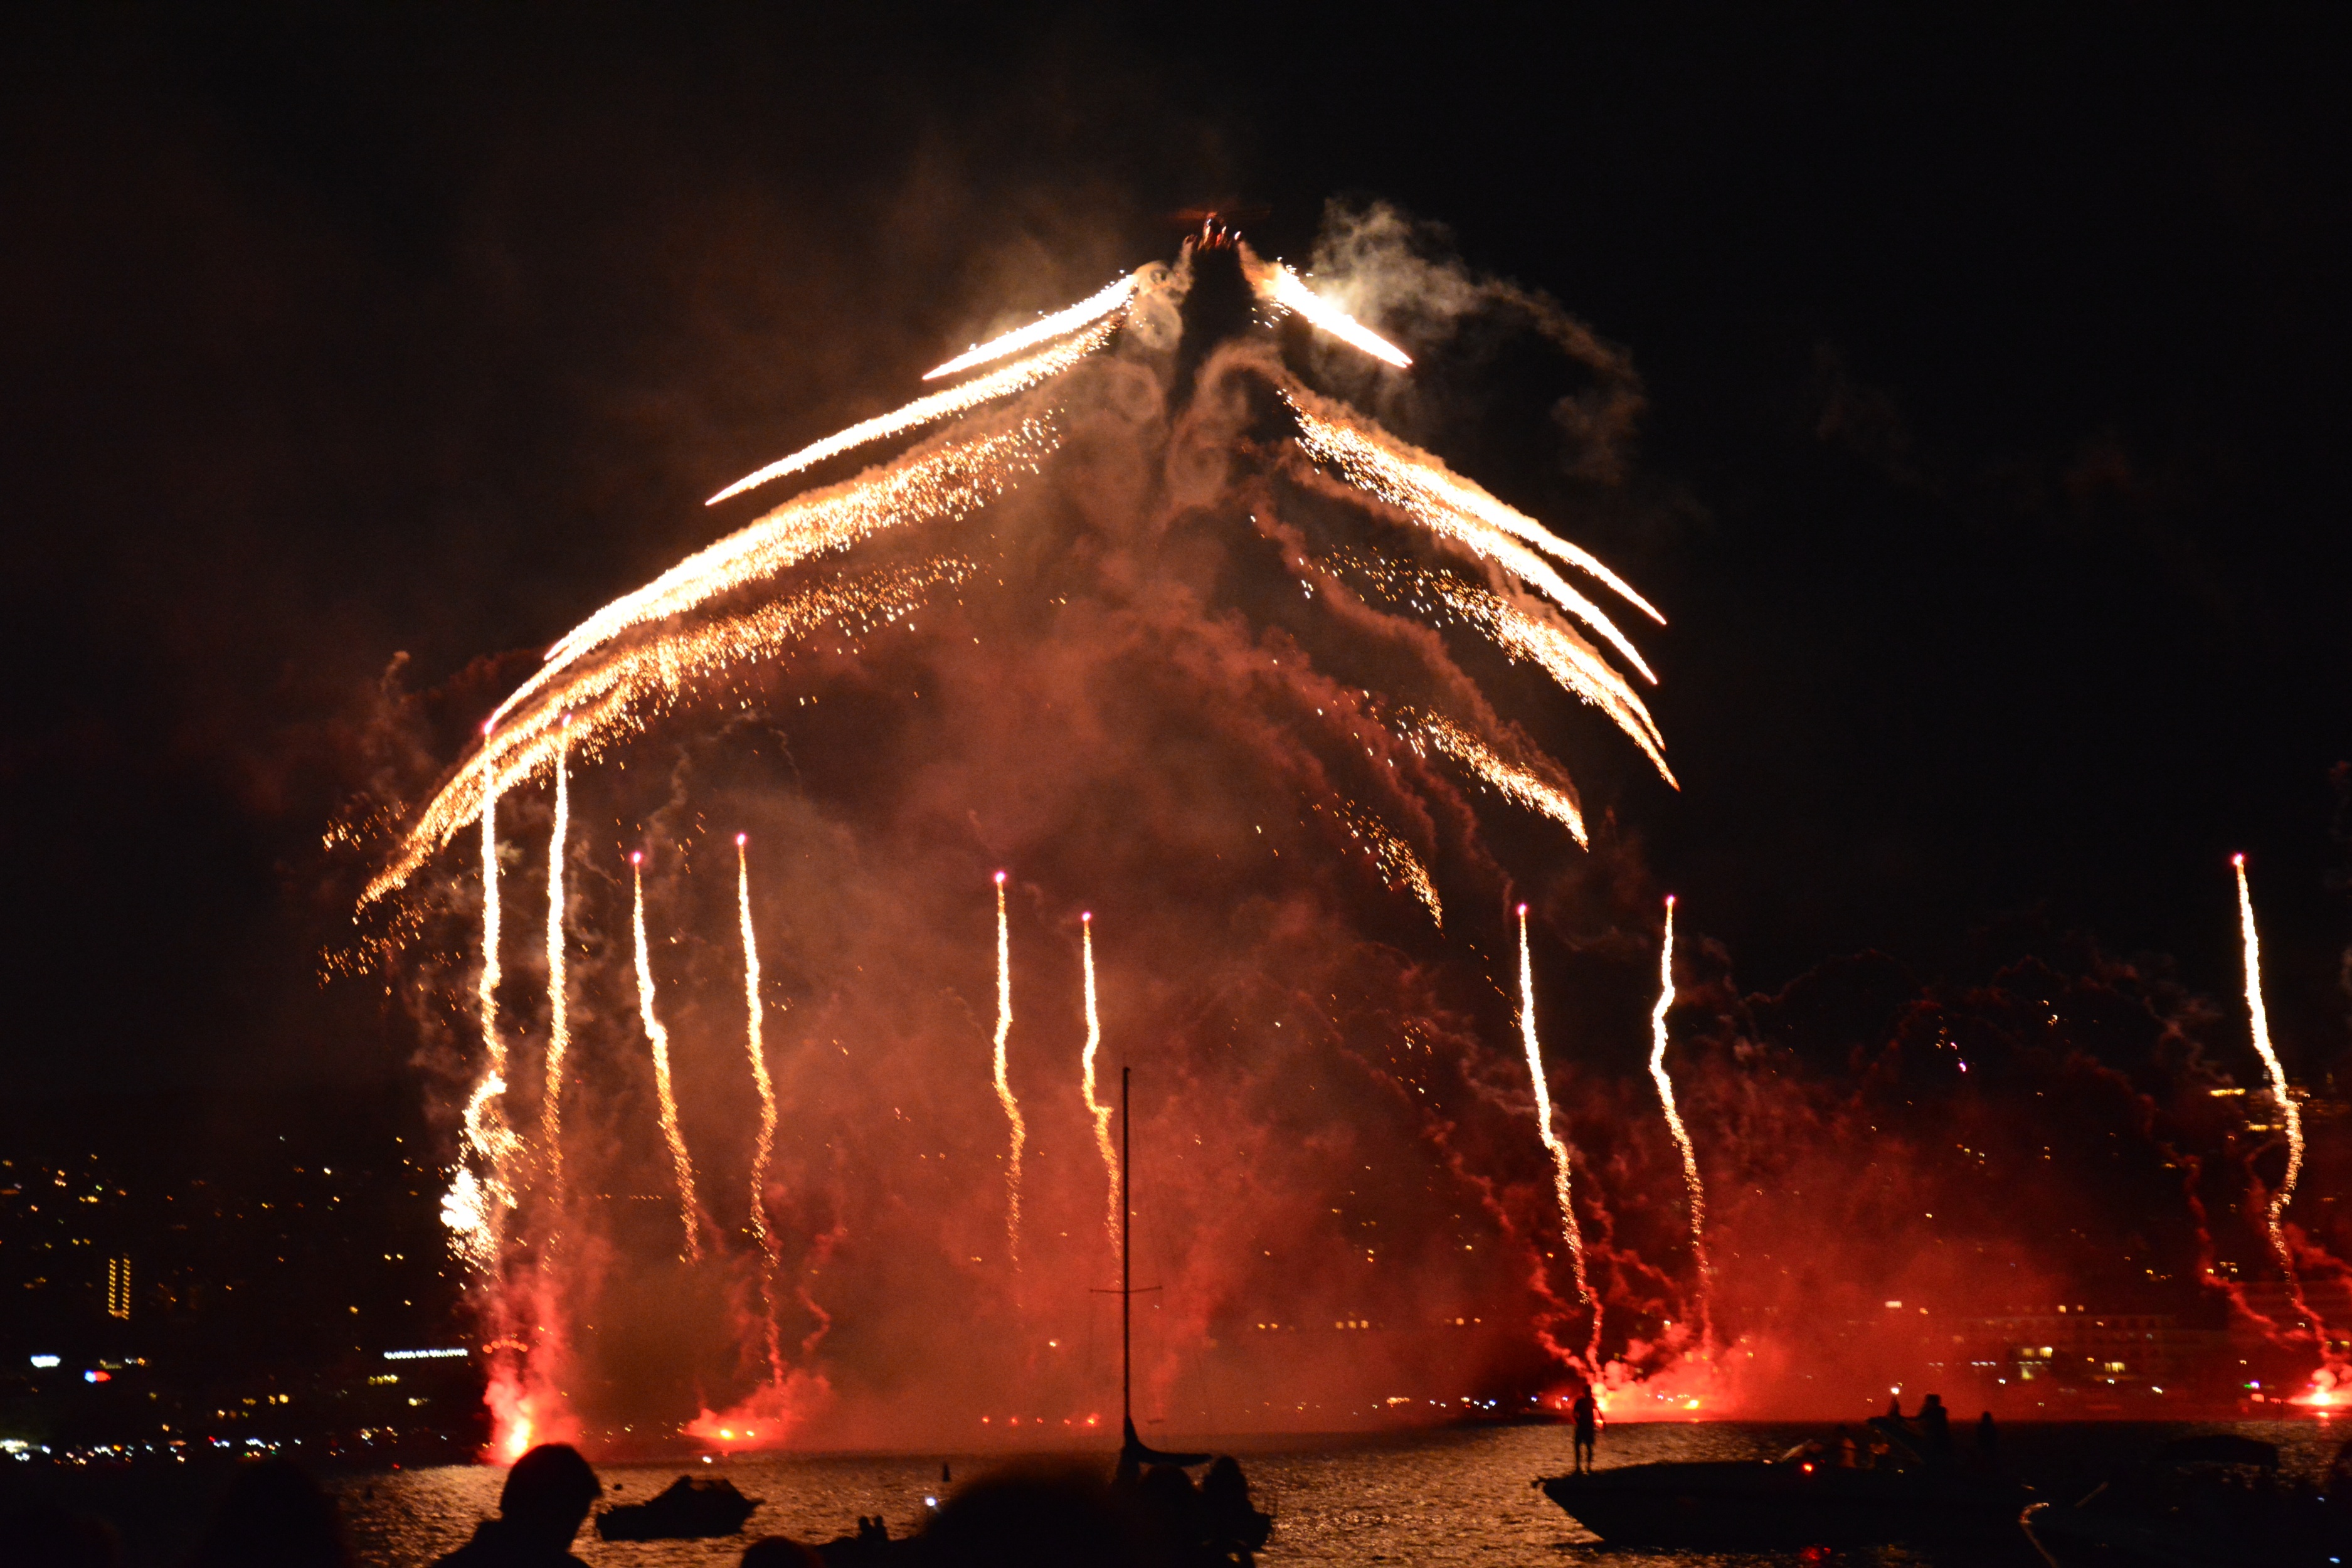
(1936,1427)
(273,1516)
(545,1500)
(1586,1414)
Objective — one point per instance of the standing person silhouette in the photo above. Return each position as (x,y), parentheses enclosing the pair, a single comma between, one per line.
(545,1500)
(1588,1428)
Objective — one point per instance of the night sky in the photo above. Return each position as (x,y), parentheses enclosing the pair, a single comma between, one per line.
(1994,470)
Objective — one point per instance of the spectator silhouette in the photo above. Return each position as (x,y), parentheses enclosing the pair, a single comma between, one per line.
(779,1551)
(1988,1443)
(1587,1414)
(273,1516)
(546,1497)
(1936,1427)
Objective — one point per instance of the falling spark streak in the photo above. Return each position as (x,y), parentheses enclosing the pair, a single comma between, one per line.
(1096,1108)
(1419,484)
(956,480)
(2289,1112)
(474,1208)
(1562,653)
(1674,1117)
(1510,780)
(559,1019)
(754,1045)
(1092,307)
(1003,1080)
(1398,864)
(1286,288)
(1560,1157)
(659,1038)
(615,693)
(1018,376)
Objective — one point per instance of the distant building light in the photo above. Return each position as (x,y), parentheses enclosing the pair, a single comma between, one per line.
(44,1361)
(454,1352)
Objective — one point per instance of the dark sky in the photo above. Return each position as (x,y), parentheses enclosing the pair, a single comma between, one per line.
(1994,472)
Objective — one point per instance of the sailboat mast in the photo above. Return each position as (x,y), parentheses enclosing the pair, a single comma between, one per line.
(1126,1272)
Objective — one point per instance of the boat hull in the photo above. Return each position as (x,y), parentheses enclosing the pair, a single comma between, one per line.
(1734,1507)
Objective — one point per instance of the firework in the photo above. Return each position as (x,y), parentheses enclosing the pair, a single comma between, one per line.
(1004,1078)
(1280,286)
(2290,1114)
(1095,1109)
(947,483)
(559,1017)
(1422,488)
(765,1146)
(1018,376)
(1096,306)
(1674,1116)
(1561,1156)
(658,1038)
(475,1208)
(1399,867)
(617,693)
(1571,662)
(1508,779)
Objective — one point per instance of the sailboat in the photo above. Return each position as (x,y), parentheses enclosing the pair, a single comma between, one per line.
(1134,1453)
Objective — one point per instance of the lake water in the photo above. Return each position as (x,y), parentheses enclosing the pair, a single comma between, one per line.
(1450,1497)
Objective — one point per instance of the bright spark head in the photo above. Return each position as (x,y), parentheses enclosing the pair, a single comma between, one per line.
(486,725)
(742,840)
(2239,861)
(1523,911)
(1088,916)
(1670,901)
(999,878)
(636,857)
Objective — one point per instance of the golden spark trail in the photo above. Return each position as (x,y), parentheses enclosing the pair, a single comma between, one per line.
(618,692)
(1018,376)
(1093,307)
(755,1045)
(1675,1118)
(1399,864)
(1282,287)
(949,483)
(1508,779)
(474,1206)
(1552,1142)
(1562,653)
(1096,1108)
(1003,1079)
(2290,1114)
(559,1002)
(1419,485)
(658,1036)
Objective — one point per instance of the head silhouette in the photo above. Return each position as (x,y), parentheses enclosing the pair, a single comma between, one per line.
(273,1516)
(548,1493)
